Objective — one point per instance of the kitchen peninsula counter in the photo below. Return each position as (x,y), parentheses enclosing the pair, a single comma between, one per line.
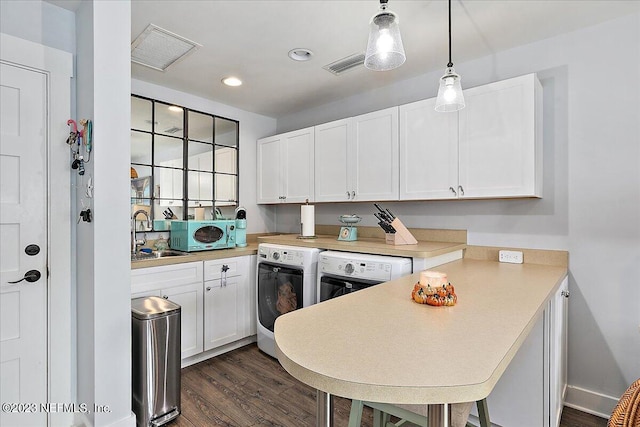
(378,345)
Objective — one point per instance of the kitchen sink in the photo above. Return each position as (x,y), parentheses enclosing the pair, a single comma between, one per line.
(140,256)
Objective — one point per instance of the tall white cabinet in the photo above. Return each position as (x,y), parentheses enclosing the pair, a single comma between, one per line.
(490,149)
(285,167)
(356,159)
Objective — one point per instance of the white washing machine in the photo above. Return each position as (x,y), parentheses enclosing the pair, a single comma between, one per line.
(340,273)
(285,281)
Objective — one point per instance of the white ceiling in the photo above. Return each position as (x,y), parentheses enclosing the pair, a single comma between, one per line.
(250,39)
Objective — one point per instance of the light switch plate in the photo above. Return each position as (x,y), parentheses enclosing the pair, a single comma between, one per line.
(512,257)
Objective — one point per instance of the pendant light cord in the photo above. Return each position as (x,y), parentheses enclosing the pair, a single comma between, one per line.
(450,64)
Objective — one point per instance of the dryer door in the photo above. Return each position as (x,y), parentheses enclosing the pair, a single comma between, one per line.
(279,292)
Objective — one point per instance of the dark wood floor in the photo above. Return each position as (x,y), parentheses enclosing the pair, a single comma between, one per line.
(245,388)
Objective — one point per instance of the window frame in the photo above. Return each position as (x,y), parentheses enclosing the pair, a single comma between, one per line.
(186,201)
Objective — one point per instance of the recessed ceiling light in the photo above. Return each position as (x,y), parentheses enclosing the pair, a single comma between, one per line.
(175,109)
(300,54)
(232,81)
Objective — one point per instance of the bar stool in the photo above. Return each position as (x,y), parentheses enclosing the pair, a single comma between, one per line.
(416,414)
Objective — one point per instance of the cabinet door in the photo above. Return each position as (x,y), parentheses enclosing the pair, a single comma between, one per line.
(373,156)
(331,162)
(428,152)
(251,326)
(269,186)
(189,298)
(298,166)
(558,352)
(501,139)
(224,307)
(519,396)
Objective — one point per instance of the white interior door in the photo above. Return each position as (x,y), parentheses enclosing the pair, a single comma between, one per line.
(23,210)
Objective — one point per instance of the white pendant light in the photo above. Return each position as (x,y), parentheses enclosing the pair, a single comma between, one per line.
(384,49)
(450,97)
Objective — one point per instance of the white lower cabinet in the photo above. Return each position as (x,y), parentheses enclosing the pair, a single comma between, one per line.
(228,292)
(225,311)
(530,393)
(182,284)
(217,300)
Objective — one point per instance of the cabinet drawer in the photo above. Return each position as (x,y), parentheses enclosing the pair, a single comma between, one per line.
(214,269)
(146,279)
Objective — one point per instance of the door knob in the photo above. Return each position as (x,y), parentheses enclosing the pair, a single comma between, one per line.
(30,276)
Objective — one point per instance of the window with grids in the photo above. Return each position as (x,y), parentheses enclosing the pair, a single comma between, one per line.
(181,159)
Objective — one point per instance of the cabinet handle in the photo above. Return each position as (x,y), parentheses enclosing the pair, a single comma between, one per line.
(453,191)
(353,195)
(461,190)
(208,288)
(165,296)
(348,196)
(565,294)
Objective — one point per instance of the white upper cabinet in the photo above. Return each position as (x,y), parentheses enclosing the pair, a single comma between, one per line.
(490,149)
(285,167)
(373,156)
(332,161)
(428,152)
(501,139)
(356,159)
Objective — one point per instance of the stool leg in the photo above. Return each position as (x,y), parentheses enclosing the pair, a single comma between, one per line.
(355,417)
(483,413)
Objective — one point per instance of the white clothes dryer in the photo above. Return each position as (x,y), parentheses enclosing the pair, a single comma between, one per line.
(285,281)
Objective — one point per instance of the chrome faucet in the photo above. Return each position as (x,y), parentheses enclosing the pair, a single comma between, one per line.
(135,242)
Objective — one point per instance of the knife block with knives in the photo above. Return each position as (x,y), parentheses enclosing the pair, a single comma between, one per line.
(402,236)
(395,231)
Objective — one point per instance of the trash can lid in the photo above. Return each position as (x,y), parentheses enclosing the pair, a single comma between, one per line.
(151,307)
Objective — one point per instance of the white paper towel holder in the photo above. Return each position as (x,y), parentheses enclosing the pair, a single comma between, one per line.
(311,220)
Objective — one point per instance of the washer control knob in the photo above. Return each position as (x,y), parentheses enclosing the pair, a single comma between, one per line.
(348,268)
(276,255)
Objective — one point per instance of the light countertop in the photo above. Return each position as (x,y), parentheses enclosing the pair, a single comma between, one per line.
(424,249)
(250,249)
(378,345)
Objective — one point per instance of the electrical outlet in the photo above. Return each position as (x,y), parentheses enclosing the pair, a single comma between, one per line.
(513,257)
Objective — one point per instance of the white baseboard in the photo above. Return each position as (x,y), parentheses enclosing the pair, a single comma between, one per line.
(201,357)
(83,421)
(590,402)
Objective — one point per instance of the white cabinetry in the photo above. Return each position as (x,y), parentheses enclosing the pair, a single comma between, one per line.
(501,139)
(490,149)
(182,284)
(227,301)
(356,159)
(530,393)
(428,152)
(285,167)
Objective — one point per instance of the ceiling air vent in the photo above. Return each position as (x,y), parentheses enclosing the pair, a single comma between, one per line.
(345,64)
(158,48)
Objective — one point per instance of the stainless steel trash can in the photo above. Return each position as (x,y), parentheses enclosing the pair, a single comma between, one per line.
(155,365)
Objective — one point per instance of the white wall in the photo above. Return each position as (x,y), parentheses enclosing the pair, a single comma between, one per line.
(39,22)
(591,203)
(252,127)
(103,264)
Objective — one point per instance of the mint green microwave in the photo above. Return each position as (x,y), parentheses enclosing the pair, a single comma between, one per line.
(190,236)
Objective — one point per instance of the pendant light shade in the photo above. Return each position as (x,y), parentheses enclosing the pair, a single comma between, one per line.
(384,49)
(450,97)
